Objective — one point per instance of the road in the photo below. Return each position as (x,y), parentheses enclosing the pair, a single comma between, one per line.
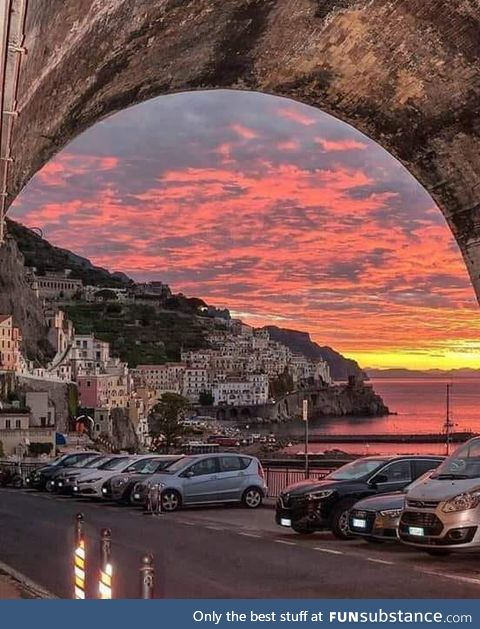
(218,553)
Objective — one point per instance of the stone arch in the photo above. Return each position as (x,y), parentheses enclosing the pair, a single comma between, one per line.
(404,72)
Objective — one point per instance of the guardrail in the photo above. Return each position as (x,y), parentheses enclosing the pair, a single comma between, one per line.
(23,468)
(278,478)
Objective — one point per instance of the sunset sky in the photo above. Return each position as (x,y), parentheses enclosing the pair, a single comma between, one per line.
(273,209)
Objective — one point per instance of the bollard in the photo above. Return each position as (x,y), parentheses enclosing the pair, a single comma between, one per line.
(106,569)
(79,558)
(147,573)
(158,510)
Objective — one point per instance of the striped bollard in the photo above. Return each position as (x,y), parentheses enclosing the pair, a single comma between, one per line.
(147,574)
(106,569)
(79,559)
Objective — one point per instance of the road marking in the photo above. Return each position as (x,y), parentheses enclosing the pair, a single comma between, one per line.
(284,541)
(454,577)
(328,550)
(250,535)
(384,561)
(213,528)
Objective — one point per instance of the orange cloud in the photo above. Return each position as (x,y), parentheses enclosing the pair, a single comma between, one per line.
(340,145)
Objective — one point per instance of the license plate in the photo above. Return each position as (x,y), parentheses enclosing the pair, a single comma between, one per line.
(359,524)
(285,522)
(418,531)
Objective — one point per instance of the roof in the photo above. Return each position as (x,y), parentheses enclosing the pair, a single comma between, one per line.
(5,318)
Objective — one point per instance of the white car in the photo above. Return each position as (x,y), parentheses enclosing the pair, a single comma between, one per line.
(90,485)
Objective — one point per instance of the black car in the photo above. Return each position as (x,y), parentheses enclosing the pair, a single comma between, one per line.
(376,518)
(40,478)
(311,506)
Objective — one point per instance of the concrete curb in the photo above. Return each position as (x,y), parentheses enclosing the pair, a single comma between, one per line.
(36,590)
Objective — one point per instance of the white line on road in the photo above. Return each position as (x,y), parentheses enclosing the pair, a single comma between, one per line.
(284,541)
(455,577)
(384,561)
(250,535)
(328,550)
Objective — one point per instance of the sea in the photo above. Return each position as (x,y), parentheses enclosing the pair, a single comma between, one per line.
(419,404)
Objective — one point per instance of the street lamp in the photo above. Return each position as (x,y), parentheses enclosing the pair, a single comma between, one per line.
(305,419)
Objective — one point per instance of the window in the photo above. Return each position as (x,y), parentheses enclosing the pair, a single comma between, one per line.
(18,424)
(8,423)
(230,464)
(398,472)
(420,467)
(205,466)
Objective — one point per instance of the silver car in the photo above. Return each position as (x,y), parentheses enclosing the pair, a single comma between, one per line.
(207,479)
(442,513)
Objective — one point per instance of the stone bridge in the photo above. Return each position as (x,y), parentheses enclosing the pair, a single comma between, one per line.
(405,72)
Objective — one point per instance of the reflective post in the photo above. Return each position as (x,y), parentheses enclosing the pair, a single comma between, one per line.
(106,570)
(79,558)
(147,574)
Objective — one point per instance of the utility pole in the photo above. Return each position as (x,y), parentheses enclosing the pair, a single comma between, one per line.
(448,423)
(305,419)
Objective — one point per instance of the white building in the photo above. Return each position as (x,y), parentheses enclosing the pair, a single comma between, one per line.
(248,391)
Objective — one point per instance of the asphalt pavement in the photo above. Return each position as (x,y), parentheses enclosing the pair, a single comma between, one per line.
(227,552)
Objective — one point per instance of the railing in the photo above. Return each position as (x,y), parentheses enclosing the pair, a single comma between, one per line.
(23,468)
(279,478)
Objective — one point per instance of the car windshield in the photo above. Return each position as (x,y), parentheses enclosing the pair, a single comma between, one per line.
(179,464)
(114,464)
(97,461)
(463,463)
(155,465)
(86,461)
(356,469)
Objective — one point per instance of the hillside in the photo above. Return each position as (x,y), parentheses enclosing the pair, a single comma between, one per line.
(340,367)
(39,253)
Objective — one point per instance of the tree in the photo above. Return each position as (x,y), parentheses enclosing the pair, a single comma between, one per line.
(165,418)
(206,398)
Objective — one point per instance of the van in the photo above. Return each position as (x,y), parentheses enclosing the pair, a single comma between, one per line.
(442,512)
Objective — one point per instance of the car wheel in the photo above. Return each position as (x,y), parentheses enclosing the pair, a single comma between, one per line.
(171,500)
(302,529)
(437,552)
(252,498)
(339,519)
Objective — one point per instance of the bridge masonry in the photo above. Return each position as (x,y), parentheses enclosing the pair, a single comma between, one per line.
(404,72)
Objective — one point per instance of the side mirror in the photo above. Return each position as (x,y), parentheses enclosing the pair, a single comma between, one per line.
(188,474)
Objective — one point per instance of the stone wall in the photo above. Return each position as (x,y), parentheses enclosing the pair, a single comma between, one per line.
(62,395)
(17,298)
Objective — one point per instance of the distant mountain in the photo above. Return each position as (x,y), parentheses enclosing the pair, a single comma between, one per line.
(427,373)
(45,257)
(340,367)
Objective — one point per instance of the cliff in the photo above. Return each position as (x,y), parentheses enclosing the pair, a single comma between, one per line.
(39,253)
(17,298)
(340,367)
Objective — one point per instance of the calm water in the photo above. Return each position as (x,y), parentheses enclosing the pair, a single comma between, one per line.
(420,406)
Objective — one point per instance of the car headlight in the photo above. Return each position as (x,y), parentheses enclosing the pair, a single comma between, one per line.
(391,513)
(462,502)
(319,495)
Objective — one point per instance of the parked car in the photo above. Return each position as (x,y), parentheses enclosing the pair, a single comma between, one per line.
(64,480)
(90,485)
(310,506)
(442,513)
(40,477)
(119,488)
(207,479)
(376,518)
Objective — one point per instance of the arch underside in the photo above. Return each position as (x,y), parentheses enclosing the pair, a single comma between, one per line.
(404,72)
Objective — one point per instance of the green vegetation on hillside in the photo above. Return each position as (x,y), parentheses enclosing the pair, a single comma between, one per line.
(139,333)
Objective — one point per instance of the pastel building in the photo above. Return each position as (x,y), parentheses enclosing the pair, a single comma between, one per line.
(10,338)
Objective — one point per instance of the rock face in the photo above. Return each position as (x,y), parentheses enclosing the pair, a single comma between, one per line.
(404,72)
(340,367)
(123,433)
(17,298)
